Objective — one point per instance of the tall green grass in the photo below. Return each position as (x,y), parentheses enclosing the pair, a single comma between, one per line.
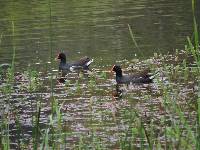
(36,128)
(7,89)
(194,46)
(133,38)
(1,38)
(50,44)
(194,49)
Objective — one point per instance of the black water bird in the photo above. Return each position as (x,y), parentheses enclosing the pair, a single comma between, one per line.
(82,64)
(143,77)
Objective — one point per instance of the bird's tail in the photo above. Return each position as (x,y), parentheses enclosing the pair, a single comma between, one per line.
(154,75)
(89,62)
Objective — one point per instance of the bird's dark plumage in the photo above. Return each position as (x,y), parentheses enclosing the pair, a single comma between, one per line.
(143,77)
(83,63)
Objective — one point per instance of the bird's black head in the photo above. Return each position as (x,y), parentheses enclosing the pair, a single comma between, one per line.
(117,69)
(62,57)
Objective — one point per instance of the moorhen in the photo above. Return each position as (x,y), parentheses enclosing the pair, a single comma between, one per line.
(143,77)
(83,63)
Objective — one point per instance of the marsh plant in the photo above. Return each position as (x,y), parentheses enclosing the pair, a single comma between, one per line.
(32,81)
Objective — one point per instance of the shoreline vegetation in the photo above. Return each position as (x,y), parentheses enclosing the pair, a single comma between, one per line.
(37,112)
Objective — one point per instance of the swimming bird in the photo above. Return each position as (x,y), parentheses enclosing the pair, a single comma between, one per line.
(82,64)
(143,77)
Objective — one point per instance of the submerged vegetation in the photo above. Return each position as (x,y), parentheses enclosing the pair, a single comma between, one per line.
(80,111)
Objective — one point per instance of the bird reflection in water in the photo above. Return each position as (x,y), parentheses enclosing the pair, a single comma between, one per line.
(117,93)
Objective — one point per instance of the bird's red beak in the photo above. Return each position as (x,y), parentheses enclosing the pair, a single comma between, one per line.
(57,57)
(111,71)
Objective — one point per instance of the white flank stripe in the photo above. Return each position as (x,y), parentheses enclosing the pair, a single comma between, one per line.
(89,62)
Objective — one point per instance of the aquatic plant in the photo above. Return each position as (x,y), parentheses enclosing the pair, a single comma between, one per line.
(32,82)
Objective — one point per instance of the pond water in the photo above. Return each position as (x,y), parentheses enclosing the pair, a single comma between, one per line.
(98,29)
(89,112)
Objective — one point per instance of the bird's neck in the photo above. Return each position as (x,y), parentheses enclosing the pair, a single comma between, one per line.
(63,61)
(119,74)
(118,79)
